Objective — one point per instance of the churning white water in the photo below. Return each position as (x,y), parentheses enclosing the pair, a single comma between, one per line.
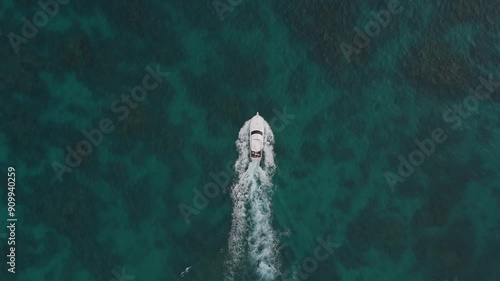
(252,240)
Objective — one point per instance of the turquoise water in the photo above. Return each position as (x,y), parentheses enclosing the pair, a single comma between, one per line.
(340,128)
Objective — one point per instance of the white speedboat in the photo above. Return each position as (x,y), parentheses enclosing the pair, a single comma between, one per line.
(256,137)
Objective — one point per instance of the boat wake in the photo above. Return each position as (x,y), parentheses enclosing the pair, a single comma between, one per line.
(252,240)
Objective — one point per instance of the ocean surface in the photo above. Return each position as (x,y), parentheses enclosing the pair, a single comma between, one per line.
(122,121)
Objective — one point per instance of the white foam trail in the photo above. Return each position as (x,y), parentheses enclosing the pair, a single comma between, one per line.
(239,194)
(251,225)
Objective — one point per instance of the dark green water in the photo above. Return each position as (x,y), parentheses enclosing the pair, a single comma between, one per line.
(349,125)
